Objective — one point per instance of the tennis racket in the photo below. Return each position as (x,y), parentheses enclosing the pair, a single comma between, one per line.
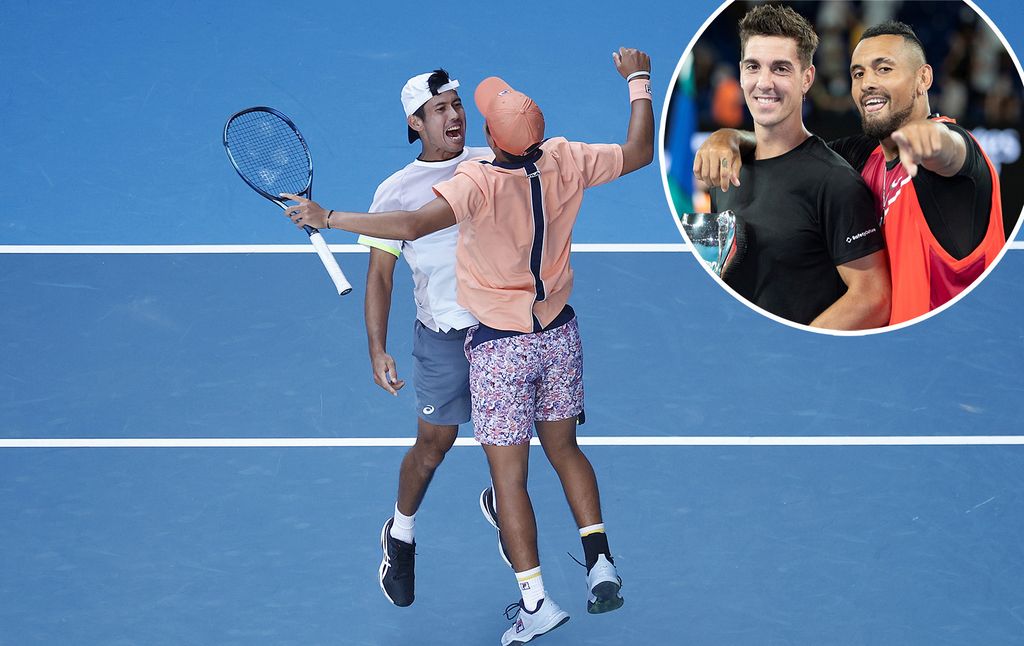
(270,154)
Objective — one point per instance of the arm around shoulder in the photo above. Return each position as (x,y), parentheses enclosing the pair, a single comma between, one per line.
(718,160)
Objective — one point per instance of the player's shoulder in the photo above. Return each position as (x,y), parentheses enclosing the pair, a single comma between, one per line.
(830,161)
(554,143)
(580,152)
(949,123)
(855,149)
(833,173)
(972,143)
(562,146)
(955,127)
(817,148)
(394,180)
(479,153)
(476,162)
(974,165)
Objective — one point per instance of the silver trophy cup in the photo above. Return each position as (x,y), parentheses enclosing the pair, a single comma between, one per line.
(713,236)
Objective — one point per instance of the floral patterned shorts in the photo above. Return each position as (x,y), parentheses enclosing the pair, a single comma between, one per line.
(521,379)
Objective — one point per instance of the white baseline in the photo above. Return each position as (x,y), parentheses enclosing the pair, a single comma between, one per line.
(650,440)
(155,249)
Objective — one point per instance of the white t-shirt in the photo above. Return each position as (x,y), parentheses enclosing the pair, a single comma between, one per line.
(432,257)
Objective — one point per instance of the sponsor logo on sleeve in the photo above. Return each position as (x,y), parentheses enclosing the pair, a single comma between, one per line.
(850,239)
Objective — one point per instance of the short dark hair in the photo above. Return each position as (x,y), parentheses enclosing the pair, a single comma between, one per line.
(438,78)
(780,20)
(895,28)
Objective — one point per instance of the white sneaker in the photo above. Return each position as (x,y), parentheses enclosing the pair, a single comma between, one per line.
(604,584)
(528,625)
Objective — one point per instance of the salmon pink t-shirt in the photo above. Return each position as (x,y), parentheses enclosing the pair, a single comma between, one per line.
(515,230)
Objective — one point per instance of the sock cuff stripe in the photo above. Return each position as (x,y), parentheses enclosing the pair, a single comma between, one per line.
(592,529)
(528,574)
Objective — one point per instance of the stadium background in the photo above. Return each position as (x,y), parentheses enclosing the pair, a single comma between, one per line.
(976,83)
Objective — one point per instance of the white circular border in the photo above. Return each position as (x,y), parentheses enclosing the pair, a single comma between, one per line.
(679,226)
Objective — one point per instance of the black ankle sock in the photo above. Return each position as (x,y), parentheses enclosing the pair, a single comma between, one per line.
(593,546)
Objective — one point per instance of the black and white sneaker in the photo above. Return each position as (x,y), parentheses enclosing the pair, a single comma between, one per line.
(397,568)
(491,514)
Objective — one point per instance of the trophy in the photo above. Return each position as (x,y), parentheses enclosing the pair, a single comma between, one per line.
(714,238)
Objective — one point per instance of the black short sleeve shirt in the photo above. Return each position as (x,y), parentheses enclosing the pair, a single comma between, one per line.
(804,212)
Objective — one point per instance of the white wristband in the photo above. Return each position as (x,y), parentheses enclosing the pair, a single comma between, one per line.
(636,74)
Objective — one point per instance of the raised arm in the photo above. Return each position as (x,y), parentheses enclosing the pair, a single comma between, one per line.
(638,151)
(395,225)
(932,145)
(718,160)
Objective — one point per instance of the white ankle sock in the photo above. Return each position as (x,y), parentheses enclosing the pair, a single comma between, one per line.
(404,527)
(531,587)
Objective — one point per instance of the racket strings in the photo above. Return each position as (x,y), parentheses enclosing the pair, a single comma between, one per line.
(269,153)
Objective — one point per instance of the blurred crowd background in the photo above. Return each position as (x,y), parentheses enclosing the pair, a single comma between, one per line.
(976,83)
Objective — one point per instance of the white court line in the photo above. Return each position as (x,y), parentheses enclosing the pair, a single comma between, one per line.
(300,442)
(292,248)
(580,247)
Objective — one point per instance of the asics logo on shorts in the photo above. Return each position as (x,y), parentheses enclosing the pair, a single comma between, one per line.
(428,410)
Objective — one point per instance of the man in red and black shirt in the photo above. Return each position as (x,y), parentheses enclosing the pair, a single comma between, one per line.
(937,191)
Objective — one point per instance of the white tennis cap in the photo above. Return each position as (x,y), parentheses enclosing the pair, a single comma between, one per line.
(416,92)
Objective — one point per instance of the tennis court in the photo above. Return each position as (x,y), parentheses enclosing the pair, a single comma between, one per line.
(192,449)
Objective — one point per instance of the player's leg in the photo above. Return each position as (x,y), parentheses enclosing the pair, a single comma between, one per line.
(433,441)
(509,466)
(501,376)
(397,569)
(579,482)
(441,380)
(559,403)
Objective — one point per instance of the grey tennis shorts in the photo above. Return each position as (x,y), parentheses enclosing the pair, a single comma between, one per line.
(440,375)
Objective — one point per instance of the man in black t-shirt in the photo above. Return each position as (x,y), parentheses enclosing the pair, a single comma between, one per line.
(937,194)
(807,214)
(814,253)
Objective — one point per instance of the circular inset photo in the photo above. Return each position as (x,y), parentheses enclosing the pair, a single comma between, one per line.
(846,167)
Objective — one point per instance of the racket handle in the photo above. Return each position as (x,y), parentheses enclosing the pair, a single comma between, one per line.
(326,257)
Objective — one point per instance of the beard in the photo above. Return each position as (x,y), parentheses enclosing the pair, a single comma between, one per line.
(881,128)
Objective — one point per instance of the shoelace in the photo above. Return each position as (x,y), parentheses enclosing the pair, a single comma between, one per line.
(404,556)
(513,611)
(578,562)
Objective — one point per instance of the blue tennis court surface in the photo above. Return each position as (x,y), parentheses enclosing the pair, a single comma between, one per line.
(114,121)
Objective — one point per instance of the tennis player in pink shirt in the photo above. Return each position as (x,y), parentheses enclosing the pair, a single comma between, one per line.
(516,215)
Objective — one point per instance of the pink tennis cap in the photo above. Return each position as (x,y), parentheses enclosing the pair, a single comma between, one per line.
(514,120)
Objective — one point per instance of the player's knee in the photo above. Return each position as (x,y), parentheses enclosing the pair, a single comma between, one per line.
(433,442)
(560,449)
(510,482)
(509,465)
